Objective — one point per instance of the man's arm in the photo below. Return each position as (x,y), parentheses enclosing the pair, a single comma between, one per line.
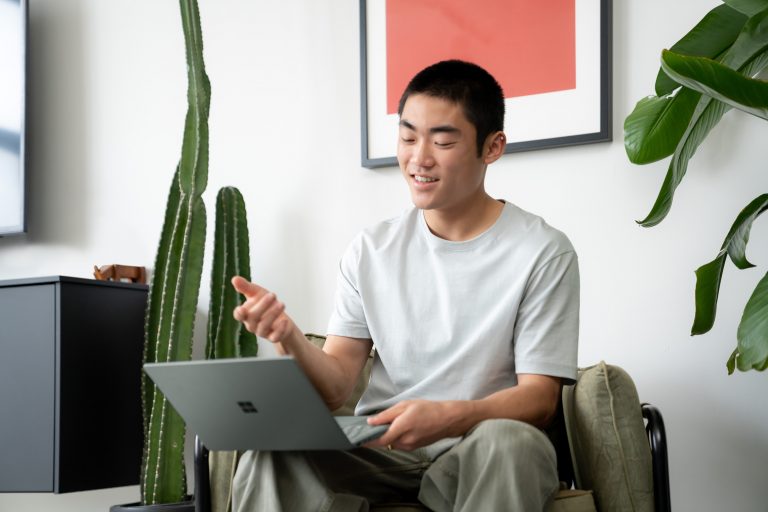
(333,370)
(416,423)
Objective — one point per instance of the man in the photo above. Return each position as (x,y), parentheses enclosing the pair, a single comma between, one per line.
(471,305)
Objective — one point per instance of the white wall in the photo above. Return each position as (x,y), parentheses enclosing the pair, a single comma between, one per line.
(107,108)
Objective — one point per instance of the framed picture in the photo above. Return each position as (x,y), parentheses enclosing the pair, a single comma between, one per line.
(552,58)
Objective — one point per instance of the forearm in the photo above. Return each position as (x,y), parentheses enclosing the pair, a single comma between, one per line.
(415,423)
(324,371)
(536,405)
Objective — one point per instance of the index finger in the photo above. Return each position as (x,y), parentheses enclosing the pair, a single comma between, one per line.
(245,287)
(387,415)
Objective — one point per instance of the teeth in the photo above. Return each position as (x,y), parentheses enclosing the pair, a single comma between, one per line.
(422,179)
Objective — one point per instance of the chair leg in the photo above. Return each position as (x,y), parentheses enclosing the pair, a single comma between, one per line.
(657,438)
(202,478)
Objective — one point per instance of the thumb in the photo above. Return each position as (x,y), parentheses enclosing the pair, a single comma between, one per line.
(245,287)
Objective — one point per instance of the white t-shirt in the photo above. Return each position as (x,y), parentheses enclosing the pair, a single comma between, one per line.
(459,320)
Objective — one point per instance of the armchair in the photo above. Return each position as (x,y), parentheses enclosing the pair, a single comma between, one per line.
(611,450)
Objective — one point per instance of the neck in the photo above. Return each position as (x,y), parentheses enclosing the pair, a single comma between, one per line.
(466,221)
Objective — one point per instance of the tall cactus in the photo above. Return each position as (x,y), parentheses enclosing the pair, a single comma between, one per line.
(176,283)
(226,336)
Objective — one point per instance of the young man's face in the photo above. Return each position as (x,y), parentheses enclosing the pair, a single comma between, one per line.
(437,153)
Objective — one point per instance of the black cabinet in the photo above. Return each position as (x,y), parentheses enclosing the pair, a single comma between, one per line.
(70,384)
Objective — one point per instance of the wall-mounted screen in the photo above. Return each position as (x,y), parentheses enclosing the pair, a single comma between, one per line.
(13,46)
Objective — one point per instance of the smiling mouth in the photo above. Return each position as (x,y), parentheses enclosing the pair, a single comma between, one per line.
(424,179)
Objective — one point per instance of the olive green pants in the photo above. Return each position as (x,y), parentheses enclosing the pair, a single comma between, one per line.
(499,465)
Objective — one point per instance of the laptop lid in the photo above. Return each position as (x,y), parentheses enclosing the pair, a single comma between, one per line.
(249,404)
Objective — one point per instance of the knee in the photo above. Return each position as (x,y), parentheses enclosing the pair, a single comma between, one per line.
(511,439)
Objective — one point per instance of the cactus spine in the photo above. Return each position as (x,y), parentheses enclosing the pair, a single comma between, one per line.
(226,336)
(176,283)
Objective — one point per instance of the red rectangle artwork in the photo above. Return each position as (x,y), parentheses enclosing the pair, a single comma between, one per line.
(528,46)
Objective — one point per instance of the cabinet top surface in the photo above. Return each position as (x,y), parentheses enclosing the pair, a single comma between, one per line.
(66,279)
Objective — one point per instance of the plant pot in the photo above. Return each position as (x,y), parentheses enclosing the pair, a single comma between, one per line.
(183,506)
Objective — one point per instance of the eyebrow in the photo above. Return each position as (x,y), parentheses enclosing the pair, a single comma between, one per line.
(446,128)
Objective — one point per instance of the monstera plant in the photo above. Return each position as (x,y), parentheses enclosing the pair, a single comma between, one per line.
(175,285)
(711,70)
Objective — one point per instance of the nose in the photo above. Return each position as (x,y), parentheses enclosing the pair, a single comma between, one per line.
(422,154)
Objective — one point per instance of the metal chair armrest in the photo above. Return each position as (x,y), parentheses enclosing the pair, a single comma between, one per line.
(657,438)
(202,478)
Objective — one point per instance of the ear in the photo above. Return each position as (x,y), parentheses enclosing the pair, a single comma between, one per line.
(494,147)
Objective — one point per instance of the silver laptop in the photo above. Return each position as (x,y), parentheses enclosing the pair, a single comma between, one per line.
(256,404)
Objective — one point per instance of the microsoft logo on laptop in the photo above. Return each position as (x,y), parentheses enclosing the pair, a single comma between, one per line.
(247,407)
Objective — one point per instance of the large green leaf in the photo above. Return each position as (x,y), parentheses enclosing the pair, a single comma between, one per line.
(752,349)
(653,129)
(748,55)
(708,279)
(719,82)
(708,276)
(738,236)
(707,114)
(712,36)
(748,7)
(731,363)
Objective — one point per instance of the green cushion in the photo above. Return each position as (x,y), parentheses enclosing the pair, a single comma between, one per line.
(221,468)
(609,446)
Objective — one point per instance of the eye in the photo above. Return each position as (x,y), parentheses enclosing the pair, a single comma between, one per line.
(407,140)
(444,144)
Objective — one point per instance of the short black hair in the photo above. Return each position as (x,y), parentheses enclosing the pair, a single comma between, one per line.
(465,84)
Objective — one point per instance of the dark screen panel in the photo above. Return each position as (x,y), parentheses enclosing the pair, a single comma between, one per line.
(13,46)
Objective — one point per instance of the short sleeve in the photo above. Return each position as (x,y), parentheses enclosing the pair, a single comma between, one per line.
(348,316)
(547,323)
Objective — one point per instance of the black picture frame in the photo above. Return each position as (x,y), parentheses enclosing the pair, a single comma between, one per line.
(370,159)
